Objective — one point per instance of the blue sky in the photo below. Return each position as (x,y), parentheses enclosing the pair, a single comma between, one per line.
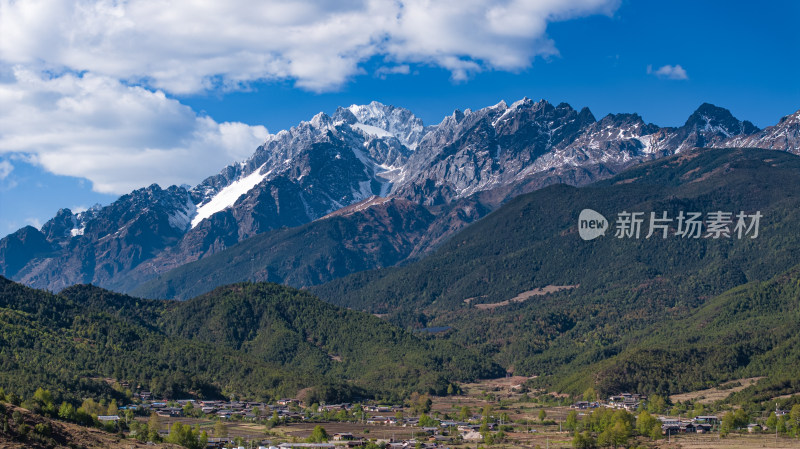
(80,127)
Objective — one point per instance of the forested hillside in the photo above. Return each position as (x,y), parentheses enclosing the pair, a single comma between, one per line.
(259,341)
(305,255)
(624,287)
(749,331)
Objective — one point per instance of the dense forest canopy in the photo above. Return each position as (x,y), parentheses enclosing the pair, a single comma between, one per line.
(259,341)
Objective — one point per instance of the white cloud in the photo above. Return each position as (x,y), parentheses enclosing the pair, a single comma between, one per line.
(5,169)
(402,69)
(188,46)
(6,183)
(672,72)
(119,137)
(82,82)
(35,222)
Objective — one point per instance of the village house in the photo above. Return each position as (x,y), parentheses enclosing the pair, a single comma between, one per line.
(336,407)
(446,424)
(438,438)
(699,424)
(707,419)
(109,418)
(343,436)
(306,446)
(583,405)
(627,401)
(170,412)
(376,420)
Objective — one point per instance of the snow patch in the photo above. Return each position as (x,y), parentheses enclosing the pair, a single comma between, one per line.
(226,197)
(647,142)
(181,219)
(370,111)
(365,190)
(501,105)
(362,157)
(386,187)
(372,130)
(503,116)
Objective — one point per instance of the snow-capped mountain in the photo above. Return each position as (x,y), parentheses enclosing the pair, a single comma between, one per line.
(708,126)
(312,169)
(472,151)
(537,143)
(385,121)
(784,136)
(334,161)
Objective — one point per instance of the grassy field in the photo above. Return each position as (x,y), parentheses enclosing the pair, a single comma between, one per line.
(713,441)
(712,395)
(293,431)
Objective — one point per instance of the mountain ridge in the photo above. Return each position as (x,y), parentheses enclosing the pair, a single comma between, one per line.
(331,162)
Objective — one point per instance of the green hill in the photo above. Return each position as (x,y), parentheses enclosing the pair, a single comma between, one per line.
(626,286)
(259,341)
(751,330)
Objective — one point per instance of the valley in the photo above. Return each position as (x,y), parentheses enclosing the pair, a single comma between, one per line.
(508,414)
(399,224)
(658,318)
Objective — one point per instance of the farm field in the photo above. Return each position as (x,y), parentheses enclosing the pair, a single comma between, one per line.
(504,397)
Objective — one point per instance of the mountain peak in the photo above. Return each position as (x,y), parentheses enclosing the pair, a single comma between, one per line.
(399,122)
(564,105)
(712,118)
(784,136)
(457,115)
(708,111)
(791,118)
(524,101)
(345,115)
(622,119)
(375,111)
(321,120)
(502,106)
(59,227)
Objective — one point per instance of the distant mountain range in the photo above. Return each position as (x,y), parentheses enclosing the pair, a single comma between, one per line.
(325,175)
(517,291)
